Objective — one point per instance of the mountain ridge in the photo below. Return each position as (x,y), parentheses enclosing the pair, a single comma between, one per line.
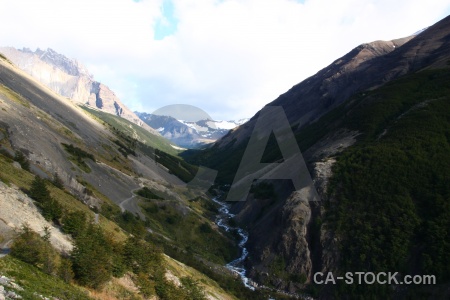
(189,134)
(350,104)
(71,79)
(365,67)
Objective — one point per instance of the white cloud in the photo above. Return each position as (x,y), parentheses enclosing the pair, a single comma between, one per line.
(227,57)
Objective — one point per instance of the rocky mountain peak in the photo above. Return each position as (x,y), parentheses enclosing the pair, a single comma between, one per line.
(70,79)
(67,65)
(189,134)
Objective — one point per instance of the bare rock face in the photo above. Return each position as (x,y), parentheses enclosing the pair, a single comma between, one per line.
(70,79)
(296,215)
(18,209)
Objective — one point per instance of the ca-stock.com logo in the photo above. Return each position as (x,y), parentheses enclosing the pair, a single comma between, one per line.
(270,120)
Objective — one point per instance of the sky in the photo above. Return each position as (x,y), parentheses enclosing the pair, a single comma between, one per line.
(227,57)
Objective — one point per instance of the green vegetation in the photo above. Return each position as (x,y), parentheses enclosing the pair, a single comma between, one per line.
(226,160)
(22,160)
(174,164)
(125,150)
(131,137)
(92,258)
(105,251)
(263,190)
(228,282)
(36,283)
(51,209)
(13,96)
(31,248)
(192,289)
(96,258)
(187,230)
(278,269)
(77,156)
(74,223)
(23,179)
(57,181)
(392,189)
(145,192)
(130,129)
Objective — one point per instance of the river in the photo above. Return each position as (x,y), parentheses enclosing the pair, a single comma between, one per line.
(237,265)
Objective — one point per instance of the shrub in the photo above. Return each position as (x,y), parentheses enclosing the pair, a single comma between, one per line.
(51,209)
(22,160)
(57,181)
(31,248)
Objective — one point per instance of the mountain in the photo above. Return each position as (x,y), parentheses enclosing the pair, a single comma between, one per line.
(70,79)
(373,129)
(96,206)
(189,134)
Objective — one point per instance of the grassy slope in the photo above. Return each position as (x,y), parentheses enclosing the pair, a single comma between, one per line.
(132,138)
(133,130)
(23,179)
(211,287)
(128,132)
(34,282)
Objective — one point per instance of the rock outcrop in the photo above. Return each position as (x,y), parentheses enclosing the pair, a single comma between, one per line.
(70,79)
(18,209)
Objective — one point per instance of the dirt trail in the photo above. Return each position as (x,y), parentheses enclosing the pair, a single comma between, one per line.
(131,204)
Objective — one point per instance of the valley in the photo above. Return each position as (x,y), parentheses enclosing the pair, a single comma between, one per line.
(99,202)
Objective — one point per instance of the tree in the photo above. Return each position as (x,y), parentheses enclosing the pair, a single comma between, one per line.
(74,223)
(22,160)
(51,209)
(192,289)
(140,256)
(57,181)
(39,191)
(92,258)
(65,271)
(31,248)
(27,245)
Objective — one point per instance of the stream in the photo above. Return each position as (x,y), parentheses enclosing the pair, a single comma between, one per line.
(237,265)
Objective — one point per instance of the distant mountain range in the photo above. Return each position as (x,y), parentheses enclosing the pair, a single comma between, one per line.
(189,134)
(71,79)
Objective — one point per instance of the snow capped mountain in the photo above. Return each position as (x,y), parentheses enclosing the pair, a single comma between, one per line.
(189,134)
(211,125)
(227,124)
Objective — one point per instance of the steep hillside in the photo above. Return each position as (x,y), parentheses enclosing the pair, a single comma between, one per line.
(70,79)
(372,129)
(105,182)
(365,67)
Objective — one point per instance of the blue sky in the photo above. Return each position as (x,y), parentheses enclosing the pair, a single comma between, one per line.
(228,57)
(167,24)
